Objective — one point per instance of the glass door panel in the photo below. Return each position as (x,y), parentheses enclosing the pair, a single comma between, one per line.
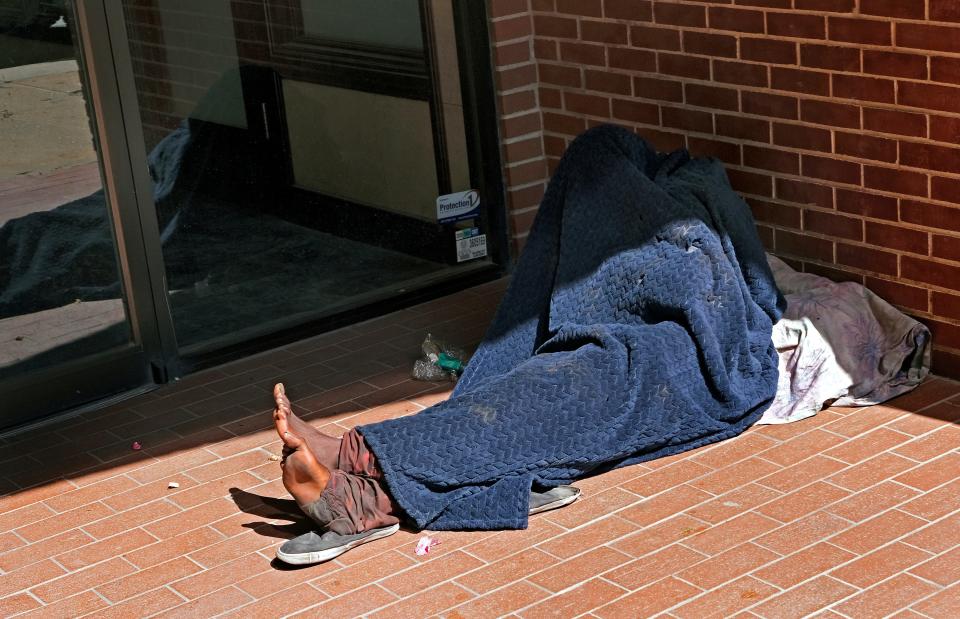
(62,299)
(297,150)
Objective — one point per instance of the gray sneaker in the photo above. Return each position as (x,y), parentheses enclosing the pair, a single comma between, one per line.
(553,498)
(312,547)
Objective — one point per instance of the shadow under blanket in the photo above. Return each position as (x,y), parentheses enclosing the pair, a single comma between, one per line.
(637,325)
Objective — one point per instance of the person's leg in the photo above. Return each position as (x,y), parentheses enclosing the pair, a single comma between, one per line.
(337,500)
(356,457)
(304,476)
(325,448)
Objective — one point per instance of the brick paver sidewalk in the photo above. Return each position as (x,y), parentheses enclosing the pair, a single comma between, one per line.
(855,510)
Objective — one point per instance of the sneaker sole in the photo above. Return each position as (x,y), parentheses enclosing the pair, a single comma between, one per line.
(556,504)
(307,558)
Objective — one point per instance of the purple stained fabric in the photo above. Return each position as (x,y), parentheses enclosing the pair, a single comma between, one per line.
(841,344)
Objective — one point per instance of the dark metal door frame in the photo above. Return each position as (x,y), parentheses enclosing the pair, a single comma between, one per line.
(33,395)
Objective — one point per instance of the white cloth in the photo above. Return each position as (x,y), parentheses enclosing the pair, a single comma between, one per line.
(840,344)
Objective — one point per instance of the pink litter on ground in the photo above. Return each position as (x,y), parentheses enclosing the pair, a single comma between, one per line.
(425,544)
(136,446)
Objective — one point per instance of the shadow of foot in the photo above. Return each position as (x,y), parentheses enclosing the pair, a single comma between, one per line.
(280,531)
(266,506)
(273,508)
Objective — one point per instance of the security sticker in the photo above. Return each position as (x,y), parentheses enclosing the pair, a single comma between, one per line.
(470,244)
(458,206)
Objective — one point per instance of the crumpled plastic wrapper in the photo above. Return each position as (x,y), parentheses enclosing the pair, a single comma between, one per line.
(425,544)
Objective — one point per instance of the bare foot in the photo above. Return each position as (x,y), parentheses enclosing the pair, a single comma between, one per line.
(325,448)
(303,476)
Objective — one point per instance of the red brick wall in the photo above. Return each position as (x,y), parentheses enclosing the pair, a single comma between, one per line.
(521,128)
(838,121)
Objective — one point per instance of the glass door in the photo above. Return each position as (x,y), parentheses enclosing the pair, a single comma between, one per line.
(70,329)
(300,159)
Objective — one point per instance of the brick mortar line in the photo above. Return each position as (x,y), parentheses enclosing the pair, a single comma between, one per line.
(168,585)
(926,580)
(22,539)
(143,524)
(940,401)
(799,462)
(855,493)
(555,594)
(527,186)
(525,210)
(911,609)
(83,569)
(188,601)
(100,595)
(312,607)
(523,137)
(316,584)
(501,43)
(508,16)
(503,587)
(516,164)
(501,92)
(254,600)
(29,593)
(416,565)
(402,599)
(516,65)
(536,586)
(753,574)
(845,616)
(113,512)
(863,433)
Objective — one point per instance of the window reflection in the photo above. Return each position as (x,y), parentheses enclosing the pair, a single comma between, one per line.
(295,175)
(60,293)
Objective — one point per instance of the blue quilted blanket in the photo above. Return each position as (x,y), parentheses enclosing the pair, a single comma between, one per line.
(637,325)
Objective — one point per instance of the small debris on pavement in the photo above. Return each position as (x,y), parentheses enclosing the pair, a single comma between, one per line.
(173,484)
(425,544)
(136,446)
(274,457)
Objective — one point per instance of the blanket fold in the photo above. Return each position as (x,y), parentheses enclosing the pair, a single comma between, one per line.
(637,325)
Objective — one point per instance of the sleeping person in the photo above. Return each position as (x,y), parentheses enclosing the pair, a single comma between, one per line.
(637,325)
